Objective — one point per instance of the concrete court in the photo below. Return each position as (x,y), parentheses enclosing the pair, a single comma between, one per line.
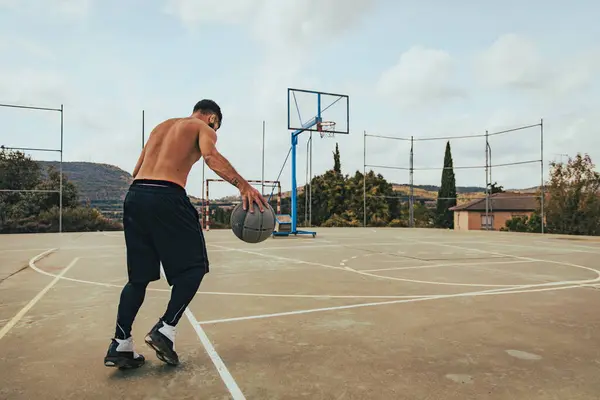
(352,314)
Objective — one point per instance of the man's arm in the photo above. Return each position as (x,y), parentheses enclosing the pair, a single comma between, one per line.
(214,159)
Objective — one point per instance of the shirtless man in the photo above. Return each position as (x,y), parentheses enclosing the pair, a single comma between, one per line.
(162,226)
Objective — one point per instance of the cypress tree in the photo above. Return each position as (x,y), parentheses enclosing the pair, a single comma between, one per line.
(337,166)
(447,193)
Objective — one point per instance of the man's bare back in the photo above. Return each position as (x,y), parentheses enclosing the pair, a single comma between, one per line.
(175,145)
(170,153)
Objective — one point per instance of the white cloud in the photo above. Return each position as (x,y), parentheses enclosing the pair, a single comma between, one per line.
(46,86)
(515,62)
(304,24)
(281,24)
(511,60)
(27,47)
(70,9)
(73,8)
(421,76)
(194,13)
(287,30)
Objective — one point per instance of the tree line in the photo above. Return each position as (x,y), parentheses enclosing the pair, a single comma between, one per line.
(571,200)
(25,208)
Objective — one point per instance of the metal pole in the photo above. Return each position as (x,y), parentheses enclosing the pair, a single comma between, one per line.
(489,147)
(491,166)
(411,201)
(294,208)
(202,206)
(60,196)
(143,130)
(487,183)
(310,184)
(542,172)
(207,211)
(306,184)
(364,178)
(262,191)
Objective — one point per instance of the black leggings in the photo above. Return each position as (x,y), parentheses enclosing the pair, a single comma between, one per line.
(185,286)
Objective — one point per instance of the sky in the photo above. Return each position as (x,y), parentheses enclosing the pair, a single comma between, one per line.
(428,69)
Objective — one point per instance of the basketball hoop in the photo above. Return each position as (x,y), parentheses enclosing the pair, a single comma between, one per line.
(326,129)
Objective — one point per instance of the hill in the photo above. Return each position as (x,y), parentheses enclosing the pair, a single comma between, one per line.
(102,186)
(424,192)
(430,192)
(95,182)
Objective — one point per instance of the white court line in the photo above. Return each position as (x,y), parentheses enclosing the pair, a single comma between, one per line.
(446,265)
(494,292)
(509,255)
(294,260)
(392,278)
(524,289)
(509,244)
(33,266)
(566,249)
(6,328)
(346,269)
(226,376)
(580,282)
(21,250)
(302,296)
(308,246)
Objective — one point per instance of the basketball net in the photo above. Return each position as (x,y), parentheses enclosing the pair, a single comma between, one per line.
(326,129)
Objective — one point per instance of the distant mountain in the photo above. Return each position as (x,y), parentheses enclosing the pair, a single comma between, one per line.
(95,181)
(434,188)
(102,186)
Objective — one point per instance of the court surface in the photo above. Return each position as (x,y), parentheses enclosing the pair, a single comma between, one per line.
(352,314)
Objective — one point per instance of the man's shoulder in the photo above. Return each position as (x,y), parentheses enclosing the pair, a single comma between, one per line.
(185,122)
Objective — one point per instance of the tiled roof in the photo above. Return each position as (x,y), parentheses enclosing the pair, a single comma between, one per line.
(505,201)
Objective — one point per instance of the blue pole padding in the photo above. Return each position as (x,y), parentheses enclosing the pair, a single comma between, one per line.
(295,134)
(294,190)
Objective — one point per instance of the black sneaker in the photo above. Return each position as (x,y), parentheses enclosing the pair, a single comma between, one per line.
(121,355)
(161,339)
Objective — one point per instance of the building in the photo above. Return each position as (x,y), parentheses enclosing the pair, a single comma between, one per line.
(502,207)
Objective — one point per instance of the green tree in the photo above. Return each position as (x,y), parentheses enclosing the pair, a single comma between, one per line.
(17,172)
(495,188)
(572,205)
(444,218)
(337,166)
(337,199)
(531,224)
(39,211)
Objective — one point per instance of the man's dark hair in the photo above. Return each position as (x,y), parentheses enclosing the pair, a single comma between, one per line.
(207,106)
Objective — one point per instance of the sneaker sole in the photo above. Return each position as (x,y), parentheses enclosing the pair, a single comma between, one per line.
(122,363)
(162,350)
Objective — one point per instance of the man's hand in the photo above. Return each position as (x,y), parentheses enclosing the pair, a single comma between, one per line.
(250,196)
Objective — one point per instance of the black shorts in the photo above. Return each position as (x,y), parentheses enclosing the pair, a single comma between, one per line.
(161,226)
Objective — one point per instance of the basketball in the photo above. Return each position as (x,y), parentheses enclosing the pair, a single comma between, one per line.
(252,228)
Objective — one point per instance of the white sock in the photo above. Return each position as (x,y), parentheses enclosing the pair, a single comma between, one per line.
(126,345)
(168,331)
